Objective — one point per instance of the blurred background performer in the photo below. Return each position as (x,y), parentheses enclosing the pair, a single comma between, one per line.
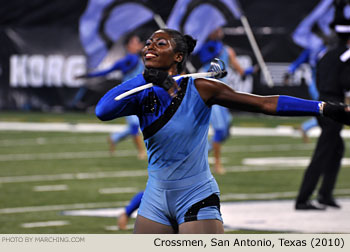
(220,118)
(130,65)
(101,27)
(133,205)
(333,80)
(314,35)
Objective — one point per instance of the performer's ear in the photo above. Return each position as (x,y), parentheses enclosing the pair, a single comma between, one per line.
(179,57)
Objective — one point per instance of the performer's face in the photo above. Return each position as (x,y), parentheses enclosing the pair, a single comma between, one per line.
(134,45)
(159,52)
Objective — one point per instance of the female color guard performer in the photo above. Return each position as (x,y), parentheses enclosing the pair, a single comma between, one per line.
(181,195)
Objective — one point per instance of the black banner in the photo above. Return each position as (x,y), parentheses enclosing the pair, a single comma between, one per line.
(39,69)
(40,53)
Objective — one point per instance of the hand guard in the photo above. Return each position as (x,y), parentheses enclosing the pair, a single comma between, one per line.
(339,112)
(159,78)
(218,66)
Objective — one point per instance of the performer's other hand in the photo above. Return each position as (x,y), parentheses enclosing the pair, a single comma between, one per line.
(339,112)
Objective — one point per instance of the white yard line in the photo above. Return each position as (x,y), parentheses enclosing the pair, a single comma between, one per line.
(270,196)
(116,228)
(73,176)
(61,127)
(29,209)
(211,160)
(259,168)
(50,188)
(266,147)
(130,152)
(116,190)
(65,155)
(100,127)
(287,131)
(45,224)
(52,141)
(99,212)
(253,196)
(284,161)
(141,173)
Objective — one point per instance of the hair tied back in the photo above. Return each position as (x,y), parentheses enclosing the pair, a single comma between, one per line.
(191,43)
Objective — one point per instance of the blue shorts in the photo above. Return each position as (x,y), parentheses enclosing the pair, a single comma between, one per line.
(169,205)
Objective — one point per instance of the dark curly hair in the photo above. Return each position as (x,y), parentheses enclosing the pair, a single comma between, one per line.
(184,44)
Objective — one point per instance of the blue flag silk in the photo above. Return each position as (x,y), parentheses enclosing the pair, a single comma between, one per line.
(199,18)
(322,15)
(105,21)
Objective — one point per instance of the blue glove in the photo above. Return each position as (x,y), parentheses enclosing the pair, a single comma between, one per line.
(249,71)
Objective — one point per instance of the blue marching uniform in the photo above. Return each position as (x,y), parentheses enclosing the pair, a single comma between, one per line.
(180,185)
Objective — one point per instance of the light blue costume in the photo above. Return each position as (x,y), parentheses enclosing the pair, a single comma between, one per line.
(175,132)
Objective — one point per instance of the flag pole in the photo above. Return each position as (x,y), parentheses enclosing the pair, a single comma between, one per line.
(255,47)
(158,19)
(256,51)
